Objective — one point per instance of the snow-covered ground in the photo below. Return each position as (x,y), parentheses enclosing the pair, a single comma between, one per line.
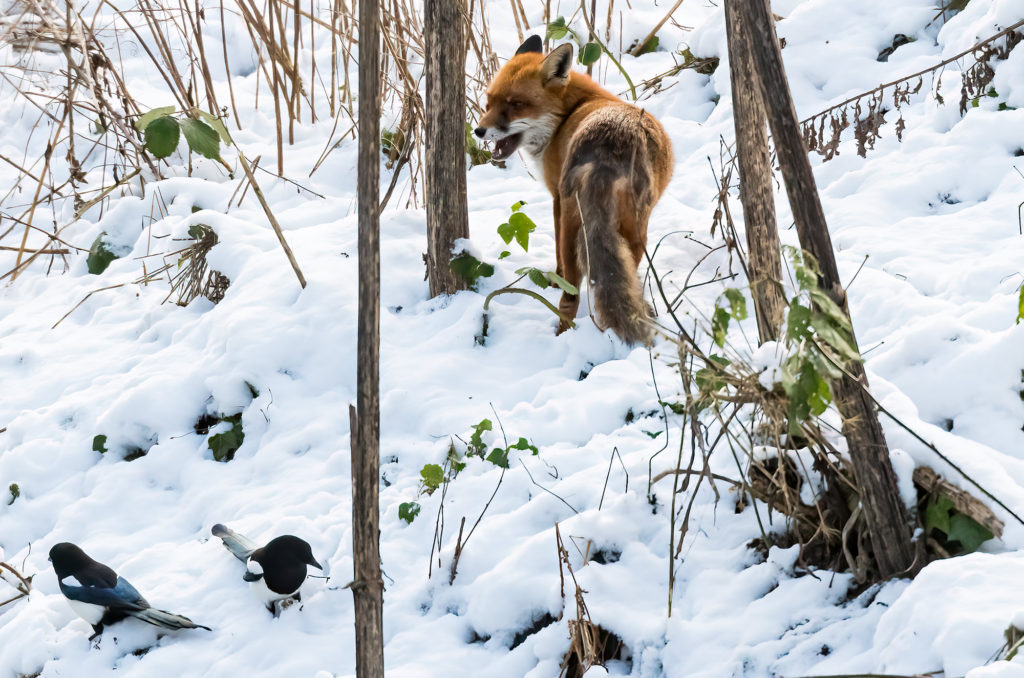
(934,305)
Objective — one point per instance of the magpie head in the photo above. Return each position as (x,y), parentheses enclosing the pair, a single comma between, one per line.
(289,549)
(68,559)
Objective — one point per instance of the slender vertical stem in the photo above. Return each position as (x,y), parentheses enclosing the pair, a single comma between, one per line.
(364,420)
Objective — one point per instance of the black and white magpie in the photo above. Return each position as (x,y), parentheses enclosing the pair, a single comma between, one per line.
(99,596)
(277,570)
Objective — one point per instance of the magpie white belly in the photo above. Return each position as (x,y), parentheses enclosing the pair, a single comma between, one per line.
(87,611)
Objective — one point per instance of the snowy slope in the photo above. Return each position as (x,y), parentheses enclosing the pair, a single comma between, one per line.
(935,302)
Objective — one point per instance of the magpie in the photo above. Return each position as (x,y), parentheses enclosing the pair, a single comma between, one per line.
(277,570)
(99,596)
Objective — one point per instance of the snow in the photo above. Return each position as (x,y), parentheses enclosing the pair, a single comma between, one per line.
(929,227)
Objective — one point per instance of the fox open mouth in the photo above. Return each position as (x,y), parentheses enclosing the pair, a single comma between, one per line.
(503,148)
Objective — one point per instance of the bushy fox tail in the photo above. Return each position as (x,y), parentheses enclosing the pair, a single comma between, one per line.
(166,620)
(611,203)
(241,547)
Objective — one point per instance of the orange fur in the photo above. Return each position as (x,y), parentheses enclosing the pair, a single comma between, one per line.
(605,162)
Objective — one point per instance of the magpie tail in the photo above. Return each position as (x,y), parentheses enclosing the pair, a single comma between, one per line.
(241,547)
(167,620)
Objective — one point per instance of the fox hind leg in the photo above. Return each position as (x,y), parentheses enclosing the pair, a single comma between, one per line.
(569,267)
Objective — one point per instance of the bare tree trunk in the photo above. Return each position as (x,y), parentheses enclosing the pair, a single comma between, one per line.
(764,266)
(445,129)
(364,420)
(888,522)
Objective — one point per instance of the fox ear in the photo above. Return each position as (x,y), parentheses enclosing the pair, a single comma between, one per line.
(531,44)
(557,64)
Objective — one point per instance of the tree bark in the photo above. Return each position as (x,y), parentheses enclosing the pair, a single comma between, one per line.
(364,420)
(764,267)
(889,524)
(445,129)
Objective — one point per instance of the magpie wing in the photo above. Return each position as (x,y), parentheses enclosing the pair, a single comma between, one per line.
(121,596)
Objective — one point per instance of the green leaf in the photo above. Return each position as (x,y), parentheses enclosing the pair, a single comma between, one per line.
(1020,305)
(557,29)
(936,514)
(99,443)
(504,253)
(834,337)
(737,304)
(507,232)
(649,46)
(470,269)
(561,283)
(538,278)
(653,434)
(477,155)
(216,123)
(99,256)
(476,444)
(702,381)
(498,457)
(15,493)
(522,226)
(161,136)
(970,533)
(518,205)
(408,511)
(224,445)
(799,321)
(720,325)
(431,476)
(149,116)
(589,53)
(830,308)
(524,444)
(201,138)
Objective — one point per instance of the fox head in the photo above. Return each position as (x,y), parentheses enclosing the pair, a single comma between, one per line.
(526,100)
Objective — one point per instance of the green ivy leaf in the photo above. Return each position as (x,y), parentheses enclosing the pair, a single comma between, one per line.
(408,511)
(99,443)
(524,444)
(538,278)
(830,308)
(557,29)
(561,283)
(470,269)
(149,116)
(476,445)
(970,533)
(224,445)
(649,46)
(498,457)
(161,136)
(737,304)
(431,475)
(936,514)
(589,53)
(100,256)
(518,205)
(799,321)
(504,253)
(201,138)
(522,226)
(834,337)
(720,325)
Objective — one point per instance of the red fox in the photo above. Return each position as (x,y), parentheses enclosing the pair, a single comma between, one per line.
(606,163)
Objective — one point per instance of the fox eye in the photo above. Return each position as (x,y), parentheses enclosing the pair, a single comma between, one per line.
(515,104)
